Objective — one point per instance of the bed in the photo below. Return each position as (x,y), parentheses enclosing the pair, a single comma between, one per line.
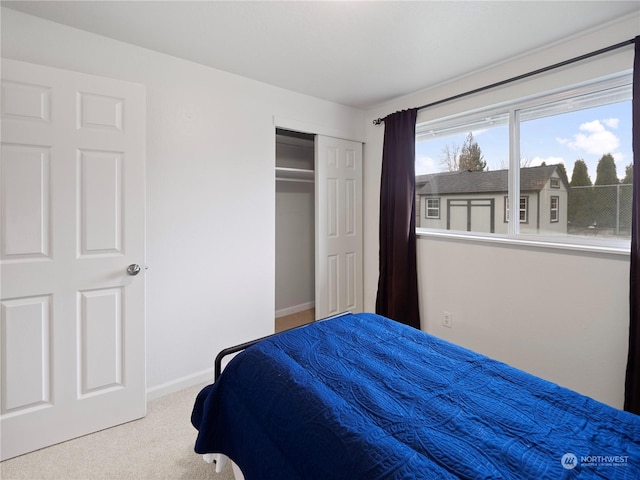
(360,396)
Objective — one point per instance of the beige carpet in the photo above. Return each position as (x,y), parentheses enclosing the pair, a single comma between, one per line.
(295,320)
(159,446)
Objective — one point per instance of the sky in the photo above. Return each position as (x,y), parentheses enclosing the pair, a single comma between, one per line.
(584,134)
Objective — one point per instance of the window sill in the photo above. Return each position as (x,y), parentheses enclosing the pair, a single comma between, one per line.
(620,247)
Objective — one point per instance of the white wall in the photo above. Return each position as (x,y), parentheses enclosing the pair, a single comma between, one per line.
(558,314)
(210,163)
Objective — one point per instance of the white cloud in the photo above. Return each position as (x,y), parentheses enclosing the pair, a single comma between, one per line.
(425,164)
(537,161)
(619,158)
(611,122)
(596,140)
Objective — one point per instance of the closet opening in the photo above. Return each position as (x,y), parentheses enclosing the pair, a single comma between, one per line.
(295,229)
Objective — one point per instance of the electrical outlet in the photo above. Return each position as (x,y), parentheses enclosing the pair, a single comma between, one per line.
(447,319)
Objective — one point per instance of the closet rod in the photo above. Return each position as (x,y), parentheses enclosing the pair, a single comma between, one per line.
(378,121)
(298,180)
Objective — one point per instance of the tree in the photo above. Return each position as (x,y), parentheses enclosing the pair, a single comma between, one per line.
(626,199)
(450,157)
(606,195)
(580,176)
(471,158)
(562,171)
(606,171)
(628,175)
(580,201)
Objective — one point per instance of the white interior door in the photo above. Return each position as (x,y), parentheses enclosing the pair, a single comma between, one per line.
(338,226)
(72,220)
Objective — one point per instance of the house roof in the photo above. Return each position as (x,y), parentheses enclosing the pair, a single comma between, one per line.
(532,179)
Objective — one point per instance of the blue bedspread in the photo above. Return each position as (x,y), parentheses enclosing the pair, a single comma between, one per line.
(363,397)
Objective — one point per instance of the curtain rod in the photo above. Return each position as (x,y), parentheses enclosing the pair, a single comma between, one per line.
(378,121)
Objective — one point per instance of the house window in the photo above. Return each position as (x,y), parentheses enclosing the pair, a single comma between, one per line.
(554,210)
(433,208)
(524,210)
(570,151)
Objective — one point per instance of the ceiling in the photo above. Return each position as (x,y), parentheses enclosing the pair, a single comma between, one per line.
(357,53)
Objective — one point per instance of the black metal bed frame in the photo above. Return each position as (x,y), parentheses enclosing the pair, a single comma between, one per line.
(242,346)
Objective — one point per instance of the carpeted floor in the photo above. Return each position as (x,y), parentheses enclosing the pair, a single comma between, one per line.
(158,447)
(295,320)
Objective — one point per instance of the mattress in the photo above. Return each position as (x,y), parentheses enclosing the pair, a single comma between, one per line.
(363,397)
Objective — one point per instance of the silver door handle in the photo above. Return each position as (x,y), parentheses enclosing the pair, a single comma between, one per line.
(133,269)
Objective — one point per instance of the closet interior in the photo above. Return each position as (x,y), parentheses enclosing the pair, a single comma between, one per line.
(295,225)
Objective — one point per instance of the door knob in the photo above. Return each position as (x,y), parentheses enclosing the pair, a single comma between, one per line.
(133,269)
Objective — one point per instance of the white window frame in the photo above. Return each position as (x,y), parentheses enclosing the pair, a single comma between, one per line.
(523,218)
(507,209)
(427,208)
(545,102)
(554,212)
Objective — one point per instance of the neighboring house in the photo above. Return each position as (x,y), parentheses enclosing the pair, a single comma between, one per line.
(478,201)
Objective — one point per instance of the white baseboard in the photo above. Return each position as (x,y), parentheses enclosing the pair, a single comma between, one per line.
(173,386)
(206,376)
(295,309)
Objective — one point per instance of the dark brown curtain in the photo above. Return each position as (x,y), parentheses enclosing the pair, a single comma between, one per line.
(398,282)
(632,383)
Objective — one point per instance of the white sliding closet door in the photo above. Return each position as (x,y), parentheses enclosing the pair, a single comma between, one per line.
(338,226)
(72,222)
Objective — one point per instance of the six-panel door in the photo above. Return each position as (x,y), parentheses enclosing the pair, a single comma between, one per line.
(72,220)
(339,282)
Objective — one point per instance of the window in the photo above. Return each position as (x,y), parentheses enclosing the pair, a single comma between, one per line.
(567,153)
(524,201)
(554,211)
(433,208)
(453,172)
